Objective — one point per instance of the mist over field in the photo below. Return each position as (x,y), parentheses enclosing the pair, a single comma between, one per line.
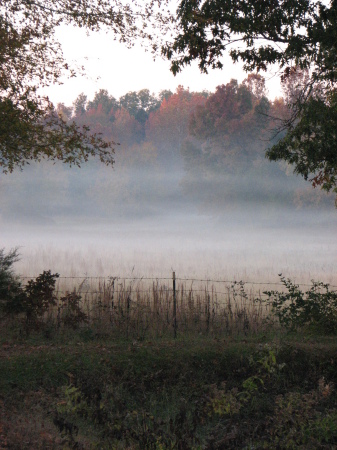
(248,240)
(190,191)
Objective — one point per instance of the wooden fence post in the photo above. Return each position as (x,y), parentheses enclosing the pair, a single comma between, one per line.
(174,306)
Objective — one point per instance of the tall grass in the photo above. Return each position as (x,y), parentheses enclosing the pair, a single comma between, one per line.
(143,309)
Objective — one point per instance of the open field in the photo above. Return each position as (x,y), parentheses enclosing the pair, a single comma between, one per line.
(192,246)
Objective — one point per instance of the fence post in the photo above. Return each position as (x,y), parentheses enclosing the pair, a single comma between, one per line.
(174,306)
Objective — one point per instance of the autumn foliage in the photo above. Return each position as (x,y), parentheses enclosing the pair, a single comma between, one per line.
(206,149)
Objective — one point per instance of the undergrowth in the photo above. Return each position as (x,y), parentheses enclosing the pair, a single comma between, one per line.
(172,394)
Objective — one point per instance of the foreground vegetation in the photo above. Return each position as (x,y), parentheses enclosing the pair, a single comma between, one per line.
(260,392)
(114,377)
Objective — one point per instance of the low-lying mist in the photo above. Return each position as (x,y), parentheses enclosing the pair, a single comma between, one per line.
(190,191)
(153,226)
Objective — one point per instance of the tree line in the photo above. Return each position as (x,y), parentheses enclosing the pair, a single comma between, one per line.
(175,148)
(298,37)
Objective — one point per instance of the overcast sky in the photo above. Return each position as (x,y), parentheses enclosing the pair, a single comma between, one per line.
(110,65)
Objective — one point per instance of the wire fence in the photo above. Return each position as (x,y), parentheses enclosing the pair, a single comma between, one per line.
(94,284)
(182,279)
(140,307)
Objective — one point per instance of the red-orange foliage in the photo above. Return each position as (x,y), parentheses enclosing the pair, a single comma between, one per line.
(118,125)
(169,124)
(232,123)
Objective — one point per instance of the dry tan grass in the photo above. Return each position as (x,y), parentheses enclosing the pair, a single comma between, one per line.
(139,309)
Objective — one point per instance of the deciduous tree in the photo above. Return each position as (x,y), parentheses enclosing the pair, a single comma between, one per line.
(295,35)
(168,126)
(140,104)
(230,126)
(31,57)
(103,98)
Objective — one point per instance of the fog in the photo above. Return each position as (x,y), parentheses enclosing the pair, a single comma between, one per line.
(148,221)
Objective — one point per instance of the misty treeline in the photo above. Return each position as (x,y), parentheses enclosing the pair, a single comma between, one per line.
(203,149)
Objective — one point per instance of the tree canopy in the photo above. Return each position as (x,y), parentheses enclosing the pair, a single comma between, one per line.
(195,149)
(296,35)
(31,57)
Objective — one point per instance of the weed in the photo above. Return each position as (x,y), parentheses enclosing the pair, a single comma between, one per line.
(70,312)
(298,422)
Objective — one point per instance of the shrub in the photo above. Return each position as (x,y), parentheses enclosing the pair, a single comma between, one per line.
(303,421)
(316,308)
(32,300)
(9,282)
(38,296)
(72,315)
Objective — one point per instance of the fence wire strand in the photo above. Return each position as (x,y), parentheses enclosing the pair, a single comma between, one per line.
(193,280)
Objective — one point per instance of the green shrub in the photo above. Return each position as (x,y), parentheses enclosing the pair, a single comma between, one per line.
(303,421)
(70,312)
(9,282)
(30,301)
(229,402)
(38,296)
(316,308)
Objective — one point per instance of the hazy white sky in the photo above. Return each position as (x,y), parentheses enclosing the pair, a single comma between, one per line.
(110,65)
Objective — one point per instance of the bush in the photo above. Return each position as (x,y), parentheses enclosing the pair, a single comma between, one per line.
(9,282)
(32,300)
(72,315)
(316,308)
(37,297)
